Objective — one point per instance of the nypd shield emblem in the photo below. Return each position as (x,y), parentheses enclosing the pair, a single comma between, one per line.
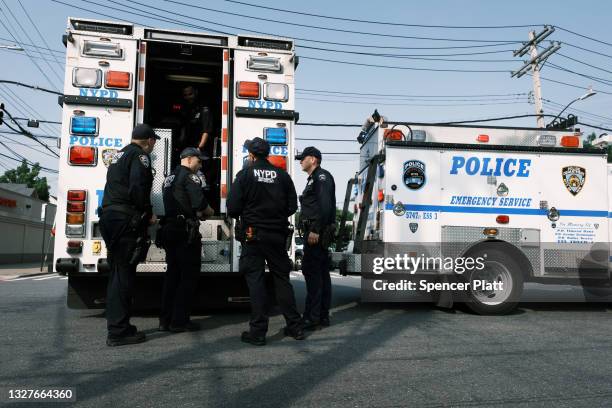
(414,174)
(574,178)
(413,227)
(108,155)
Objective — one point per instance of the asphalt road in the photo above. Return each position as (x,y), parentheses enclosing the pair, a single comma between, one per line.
(374,355)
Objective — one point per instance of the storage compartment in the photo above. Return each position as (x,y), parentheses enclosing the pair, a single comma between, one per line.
(181,81)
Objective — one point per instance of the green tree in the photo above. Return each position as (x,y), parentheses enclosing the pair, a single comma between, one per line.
(25,174)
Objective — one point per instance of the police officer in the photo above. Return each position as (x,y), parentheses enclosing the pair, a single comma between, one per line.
(196,122)
(184,205)
(125,214)
(318,216)
(264,196)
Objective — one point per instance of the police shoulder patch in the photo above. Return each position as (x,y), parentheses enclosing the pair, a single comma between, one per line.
(195,179)
(144,160)
(322,177)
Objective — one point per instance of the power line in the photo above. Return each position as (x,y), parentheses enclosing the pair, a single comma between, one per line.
(53,122)
(587,49)
(39,33)
(584,36)
(402,67)
(408,98)
(39,136)
(100,13)
(26,110)
(21,54)
(27,133)
(572,85)
(387,23)
(409,104)
(409,95)
(593,78)
(583,63)
(37,46)
(54,171)
(596,127)
(34,87)
(28,146)
(295,24)
(30,39)
(578,110)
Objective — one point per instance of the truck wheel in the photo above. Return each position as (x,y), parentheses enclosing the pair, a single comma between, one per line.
(503,271)
(298,264)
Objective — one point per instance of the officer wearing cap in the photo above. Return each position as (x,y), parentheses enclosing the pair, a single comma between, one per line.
(264,197)
(124,216)
(318,217)
(184,205)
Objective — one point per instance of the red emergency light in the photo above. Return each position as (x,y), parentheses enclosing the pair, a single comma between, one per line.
(278,161)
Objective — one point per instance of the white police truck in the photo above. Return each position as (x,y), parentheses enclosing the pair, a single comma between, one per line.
(534,200)
(118,75)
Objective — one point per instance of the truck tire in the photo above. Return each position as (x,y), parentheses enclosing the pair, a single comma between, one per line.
(499,267)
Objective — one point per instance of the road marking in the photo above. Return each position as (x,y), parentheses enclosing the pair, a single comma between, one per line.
(46,277)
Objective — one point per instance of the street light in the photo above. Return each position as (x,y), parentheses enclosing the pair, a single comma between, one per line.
(11,47)
(590,93)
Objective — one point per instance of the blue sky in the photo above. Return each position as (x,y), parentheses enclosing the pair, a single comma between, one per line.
(590,18)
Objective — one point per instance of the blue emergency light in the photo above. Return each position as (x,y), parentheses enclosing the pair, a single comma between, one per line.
(84,125)
(276,136)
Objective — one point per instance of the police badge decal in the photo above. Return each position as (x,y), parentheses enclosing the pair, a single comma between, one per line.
(574,178)
(108,155)
(414,174)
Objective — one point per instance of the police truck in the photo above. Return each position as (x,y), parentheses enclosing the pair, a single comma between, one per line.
(532,203)
(118,75)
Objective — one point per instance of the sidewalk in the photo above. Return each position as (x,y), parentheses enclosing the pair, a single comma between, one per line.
(9,271)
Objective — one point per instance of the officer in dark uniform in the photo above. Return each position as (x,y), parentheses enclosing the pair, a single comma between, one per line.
(184,205)
(264,197)
(196,122)
(125,214)
(318,217)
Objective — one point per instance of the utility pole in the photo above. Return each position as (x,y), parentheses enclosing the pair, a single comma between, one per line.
(535,64)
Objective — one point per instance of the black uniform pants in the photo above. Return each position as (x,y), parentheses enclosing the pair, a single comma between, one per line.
(184,262)
(315,268)
(121,242)
(268,247)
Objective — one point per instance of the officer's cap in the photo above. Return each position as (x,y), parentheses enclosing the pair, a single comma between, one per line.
(193,152)
(309,151)
(144,132)
(258,147)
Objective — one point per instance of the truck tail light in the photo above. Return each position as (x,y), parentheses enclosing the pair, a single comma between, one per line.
(248,90)
(264,63)
(75,218)
(393,134)
(276,136)
(276,92)
(104,49)
(87,77)
(74,247)
(77,195)
(84,125)
(381,196)
(75,206)
(118,80)
(482,138)
(570,141)
(278,161)
(83,156)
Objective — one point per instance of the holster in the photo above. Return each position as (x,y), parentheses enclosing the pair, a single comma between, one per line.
(193,230)
(327,235)
(239,231)
(141,250)
(290,231)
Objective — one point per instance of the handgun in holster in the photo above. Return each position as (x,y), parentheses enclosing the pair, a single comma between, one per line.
(290,231)
(138,224)
(193,230)
(239,231)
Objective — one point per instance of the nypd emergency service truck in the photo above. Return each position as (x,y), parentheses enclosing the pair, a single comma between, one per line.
(532,201)
(119,75)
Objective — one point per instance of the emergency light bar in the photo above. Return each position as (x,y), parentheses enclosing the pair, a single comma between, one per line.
(102,49)
(419,135)
(83,156)
(87,77)
(275,136)
(118,80)
(278,161)
(84,125)
(276,92)
(261,63)
(247,90)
